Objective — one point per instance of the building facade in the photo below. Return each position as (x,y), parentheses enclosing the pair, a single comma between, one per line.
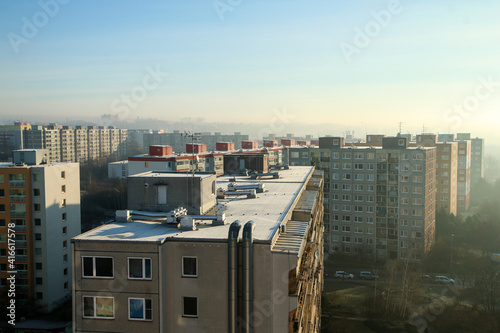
(379,201)
(154,277)
(43,203)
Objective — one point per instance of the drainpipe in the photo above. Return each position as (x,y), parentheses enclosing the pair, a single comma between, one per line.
(247,278)
(232,265)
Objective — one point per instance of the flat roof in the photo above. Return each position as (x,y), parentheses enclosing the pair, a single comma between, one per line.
(268,211)
(173,174)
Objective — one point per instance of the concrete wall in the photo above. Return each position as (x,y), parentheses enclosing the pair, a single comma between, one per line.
(143,193)
(51,229)
(120,287)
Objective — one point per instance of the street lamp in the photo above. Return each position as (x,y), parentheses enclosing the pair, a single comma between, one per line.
(451,256)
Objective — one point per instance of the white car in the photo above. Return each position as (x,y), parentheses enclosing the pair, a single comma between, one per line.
(342,274)
(443,279)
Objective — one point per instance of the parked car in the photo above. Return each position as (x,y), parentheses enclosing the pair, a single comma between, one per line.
(342,274)
(426,278)
(366,275)
(443,279)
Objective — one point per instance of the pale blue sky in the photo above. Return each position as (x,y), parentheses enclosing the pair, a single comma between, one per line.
(264,55)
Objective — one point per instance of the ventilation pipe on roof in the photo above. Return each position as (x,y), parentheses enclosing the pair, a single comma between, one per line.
(247,278)
(232,263)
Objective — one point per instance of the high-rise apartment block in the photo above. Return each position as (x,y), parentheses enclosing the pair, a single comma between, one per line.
(66,144)
(379,200)
(254,266)
(42,202)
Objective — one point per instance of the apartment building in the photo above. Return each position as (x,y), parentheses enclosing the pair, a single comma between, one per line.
(93,145)
(104,143)
(178,140)
(447,177)
(11,136)
(151,274)
(81,144)
(44,137)
(464,175)
(43,202)
(379,200)
(477,161)
(67,139)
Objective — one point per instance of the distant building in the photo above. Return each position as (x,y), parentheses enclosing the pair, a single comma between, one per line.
(178,140)
(143,273)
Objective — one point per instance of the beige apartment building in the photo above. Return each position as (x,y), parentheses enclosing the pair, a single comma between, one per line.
(255,265)
(67,137)
(81,144)
(43,202)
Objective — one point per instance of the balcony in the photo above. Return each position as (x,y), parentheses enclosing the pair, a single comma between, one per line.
(20,258)
(16,183)
(17,198)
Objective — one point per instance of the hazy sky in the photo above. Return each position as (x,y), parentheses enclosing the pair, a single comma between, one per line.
(365,64)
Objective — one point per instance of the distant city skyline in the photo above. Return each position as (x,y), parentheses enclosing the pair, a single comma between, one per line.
(361,66)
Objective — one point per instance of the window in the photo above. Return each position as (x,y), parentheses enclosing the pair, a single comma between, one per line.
(346,176)
(66,286)
(97,267)
(39,281)
(346,228)
(2,192)
(370,178)
(139,268)
(63,203)
(346,239)
(358,176)
(63,217)
(403,222)
(38,251)
(63,188)
(2,208)
(38,222)
(37,207)
(63,174)
(36,177)
(39,295)
(403,233)
(36,192)
(64,230)
(65,272)
(98,307)
(358,230)
(190,307)
(189,266)
(65,244)
(140,309)
(65,258)
(2,179)
(38,236)
(38,266)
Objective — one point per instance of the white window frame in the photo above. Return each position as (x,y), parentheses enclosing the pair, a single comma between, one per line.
(144,311)
(95,316)
(94,276)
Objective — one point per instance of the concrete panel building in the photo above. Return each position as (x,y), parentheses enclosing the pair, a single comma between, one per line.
(379,200)
(67,138)
(193,280)
(43,202)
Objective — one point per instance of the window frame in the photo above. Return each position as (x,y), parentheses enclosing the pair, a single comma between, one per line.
(184,307)
(94,307)
(143,266)
(144,300)
(187,275)
(94,268)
